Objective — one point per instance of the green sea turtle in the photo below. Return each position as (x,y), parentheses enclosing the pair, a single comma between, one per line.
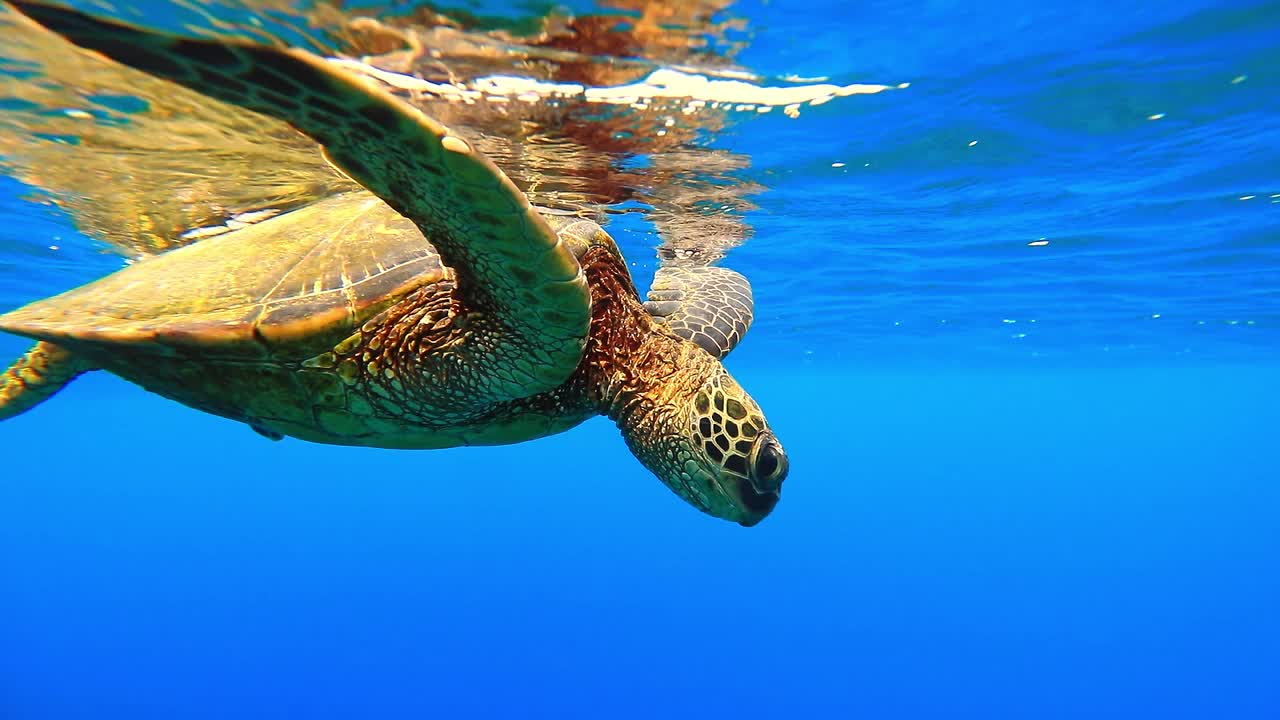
(435,307)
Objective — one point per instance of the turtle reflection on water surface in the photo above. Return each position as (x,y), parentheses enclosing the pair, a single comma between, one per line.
(430,307)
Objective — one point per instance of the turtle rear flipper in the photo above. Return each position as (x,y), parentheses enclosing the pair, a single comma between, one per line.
(37,376)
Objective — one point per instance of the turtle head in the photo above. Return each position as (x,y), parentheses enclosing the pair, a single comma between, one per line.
(710,443)
(736,458)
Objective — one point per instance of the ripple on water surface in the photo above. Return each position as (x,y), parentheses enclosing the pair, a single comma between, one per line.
(1077,191)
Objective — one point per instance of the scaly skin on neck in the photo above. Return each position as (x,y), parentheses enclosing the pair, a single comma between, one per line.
(631,364)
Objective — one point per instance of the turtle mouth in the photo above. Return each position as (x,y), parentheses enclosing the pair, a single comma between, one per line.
(755,505)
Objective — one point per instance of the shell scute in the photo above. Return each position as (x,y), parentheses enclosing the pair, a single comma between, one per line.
(288,287)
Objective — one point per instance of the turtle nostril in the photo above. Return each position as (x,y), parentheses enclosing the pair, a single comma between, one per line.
(770,466)
(767,464)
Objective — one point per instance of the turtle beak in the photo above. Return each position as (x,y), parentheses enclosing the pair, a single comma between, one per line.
(757,495)
(752,504)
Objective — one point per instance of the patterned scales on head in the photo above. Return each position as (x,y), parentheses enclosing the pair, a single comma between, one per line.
(430,307)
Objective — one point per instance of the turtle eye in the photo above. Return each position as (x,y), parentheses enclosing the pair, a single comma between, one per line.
(769,468)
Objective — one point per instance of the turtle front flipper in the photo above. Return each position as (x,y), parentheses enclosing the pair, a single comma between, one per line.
(249,166)
(511,266)
(44,370)
(711,306)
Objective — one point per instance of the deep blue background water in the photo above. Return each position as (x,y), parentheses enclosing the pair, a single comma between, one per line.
(987,516)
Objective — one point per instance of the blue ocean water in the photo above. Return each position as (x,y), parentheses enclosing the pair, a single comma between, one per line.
(1028,480)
